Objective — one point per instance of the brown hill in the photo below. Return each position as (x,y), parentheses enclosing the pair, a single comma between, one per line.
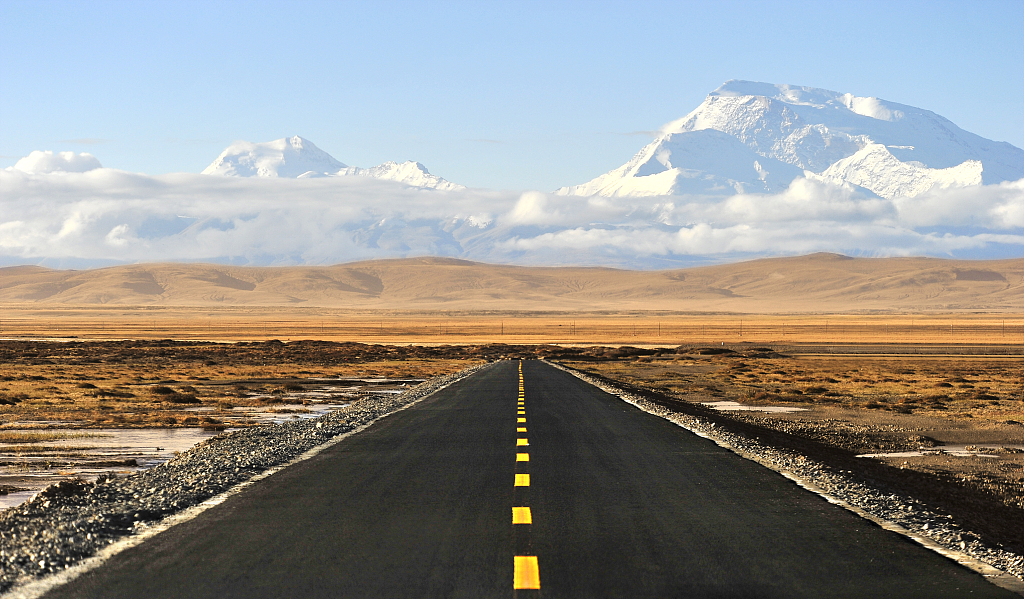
(813,283)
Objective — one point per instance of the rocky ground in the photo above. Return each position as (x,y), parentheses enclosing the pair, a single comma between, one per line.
(74,519)
(863,486)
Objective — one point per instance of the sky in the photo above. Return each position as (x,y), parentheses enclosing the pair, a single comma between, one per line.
(509,96)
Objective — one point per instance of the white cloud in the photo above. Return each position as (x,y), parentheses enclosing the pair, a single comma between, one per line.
(998,206)
(109,215)
(57,162)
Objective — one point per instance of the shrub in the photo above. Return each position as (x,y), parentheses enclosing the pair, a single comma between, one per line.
(182,398)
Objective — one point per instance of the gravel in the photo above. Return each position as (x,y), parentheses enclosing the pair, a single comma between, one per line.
(901,514)
(72,520)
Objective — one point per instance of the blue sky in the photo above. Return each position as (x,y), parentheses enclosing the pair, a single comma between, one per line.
(504,95)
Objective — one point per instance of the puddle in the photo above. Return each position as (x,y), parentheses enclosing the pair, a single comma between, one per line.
(959,451)
(733,406)
(278,413)
(96,452)
(90,453)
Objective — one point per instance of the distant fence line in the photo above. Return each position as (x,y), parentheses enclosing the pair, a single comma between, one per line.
(619,330)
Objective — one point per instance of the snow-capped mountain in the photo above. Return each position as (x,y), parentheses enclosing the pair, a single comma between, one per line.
(757,137)
(409,172)
(289,157)
(298,158)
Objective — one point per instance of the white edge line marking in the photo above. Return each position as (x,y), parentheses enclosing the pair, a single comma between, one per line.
(34,588)
(992,574)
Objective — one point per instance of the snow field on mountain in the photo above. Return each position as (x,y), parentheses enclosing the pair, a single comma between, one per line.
(298,158)
(890,149)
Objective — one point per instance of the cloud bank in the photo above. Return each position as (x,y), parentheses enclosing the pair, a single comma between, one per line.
(59,162)
(57,216)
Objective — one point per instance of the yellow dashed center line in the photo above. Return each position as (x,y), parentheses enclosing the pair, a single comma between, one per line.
(521,515)
(527,573)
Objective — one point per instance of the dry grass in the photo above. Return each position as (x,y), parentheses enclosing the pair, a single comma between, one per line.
(37,437)
(49,385)
(644,328)
(990,389)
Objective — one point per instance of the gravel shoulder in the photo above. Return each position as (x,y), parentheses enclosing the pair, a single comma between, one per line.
(73,520)
(856,484)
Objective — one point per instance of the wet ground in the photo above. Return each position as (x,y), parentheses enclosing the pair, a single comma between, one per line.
(34,455)
(733,406)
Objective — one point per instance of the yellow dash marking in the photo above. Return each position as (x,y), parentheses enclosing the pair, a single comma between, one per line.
(521,515)
(527,573)
(522,457)
(521,429)
(522,480)
(523,420)
(521,443)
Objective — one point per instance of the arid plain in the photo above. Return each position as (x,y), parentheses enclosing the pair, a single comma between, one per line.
(882,355)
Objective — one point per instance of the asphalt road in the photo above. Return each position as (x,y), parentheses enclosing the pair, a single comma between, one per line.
(621,504)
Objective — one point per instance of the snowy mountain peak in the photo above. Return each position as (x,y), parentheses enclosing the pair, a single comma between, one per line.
(298,158)
(891,149)
(815,97)
(410,172)
(289,157)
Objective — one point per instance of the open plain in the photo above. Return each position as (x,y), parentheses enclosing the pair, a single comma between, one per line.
(906,372)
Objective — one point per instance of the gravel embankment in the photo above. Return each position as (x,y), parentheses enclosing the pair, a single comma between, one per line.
(899,513)
(72,520)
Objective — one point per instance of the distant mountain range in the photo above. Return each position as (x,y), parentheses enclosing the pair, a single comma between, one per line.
(749,137)
(297,158)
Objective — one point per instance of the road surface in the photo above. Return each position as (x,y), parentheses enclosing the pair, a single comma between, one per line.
(527,485)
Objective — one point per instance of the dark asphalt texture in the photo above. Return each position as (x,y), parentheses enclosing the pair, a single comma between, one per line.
(624,504)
